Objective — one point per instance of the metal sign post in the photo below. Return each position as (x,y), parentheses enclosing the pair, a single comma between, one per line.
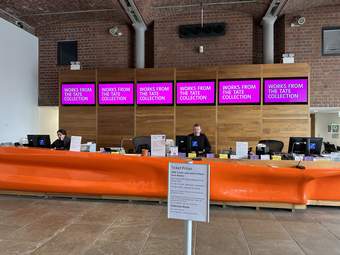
(188,196)
(188,236)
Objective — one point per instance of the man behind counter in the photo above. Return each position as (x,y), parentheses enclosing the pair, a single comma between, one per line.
(63,142)
(198,141)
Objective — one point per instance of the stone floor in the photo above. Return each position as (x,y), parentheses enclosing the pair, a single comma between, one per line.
(55,226)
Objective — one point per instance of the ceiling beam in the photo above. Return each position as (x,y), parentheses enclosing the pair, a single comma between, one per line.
(68,12)
(204,4)
(16,20)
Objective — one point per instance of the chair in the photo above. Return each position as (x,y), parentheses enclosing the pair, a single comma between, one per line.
(329,148)
(141,142)
(274,145)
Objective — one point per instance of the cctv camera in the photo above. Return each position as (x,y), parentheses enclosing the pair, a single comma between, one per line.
(298,21)
(115,31)
(19,24)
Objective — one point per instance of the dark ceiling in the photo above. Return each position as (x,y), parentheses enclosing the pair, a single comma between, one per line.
(33,7)
(293,6)
(43,12)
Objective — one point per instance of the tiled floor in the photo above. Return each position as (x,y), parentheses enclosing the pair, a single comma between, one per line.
(51,226)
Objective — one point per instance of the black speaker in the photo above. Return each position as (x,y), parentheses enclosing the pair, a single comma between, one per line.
(196,30)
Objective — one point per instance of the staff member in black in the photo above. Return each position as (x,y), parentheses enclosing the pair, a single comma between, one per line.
(198,141)
(63,142)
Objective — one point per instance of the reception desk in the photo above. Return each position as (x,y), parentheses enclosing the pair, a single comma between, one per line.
(96,174)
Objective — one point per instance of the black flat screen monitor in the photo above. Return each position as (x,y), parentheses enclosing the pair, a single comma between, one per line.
(305,145)
(40,141)
(297,145)
(182,143)
(196,144)
(314,145)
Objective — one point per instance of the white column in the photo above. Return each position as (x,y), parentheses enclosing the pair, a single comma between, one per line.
(268,39)
(139,45)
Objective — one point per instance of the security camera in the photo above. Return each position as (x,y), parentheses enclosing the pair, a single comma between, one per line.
(298,21)
(19,24)
(115,32)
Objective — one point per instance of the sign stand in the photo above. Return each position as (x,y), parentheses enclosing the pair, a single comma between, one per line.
(188,196)
(188,236)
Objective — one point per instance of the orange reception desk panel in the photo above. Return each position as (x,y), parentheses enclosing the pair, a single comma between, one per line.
(48,171)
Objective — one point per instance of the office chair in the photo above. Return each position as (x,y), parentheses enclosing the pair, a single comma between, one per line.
(274,145)
(329,148)
(141,142)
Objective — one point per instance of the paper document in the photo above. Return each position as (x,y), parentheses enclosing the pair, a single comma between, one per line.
(188,192)
(242,150)
(75,143)
(158,145)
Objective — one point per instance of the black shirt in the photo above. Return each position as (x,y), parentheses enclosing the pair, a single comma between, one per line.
(199,143)
(61,145)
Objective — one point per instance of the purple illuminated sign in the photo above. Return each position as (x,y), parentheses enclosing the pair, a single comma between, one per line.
(115,93)
(155,93)
(239,91)
(78,94)
(195,92)
(286,90)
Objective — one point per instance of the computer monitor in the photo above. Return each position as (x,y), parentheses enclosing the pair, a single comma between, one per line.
(182,143)
(305,145)
(196,144)
(314,145)
(41,141)
(297,145)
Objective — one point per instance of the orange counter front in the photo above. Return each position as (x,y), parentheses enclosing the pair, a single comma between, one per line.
(35,170)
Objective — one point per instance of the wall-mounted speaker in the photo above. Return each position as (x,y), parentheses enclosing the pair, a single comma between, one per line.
(196,30)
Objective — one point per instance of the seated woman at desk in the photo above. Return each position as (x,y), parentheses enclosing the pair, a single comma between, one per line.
(63,142)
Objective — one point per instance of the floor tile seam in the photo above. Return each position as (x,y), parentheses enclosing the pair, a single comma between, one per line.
(56,233)
(244,236)
(329,231)
(140,252)
(294,239)
(102,234)
(194,245)
(27,225)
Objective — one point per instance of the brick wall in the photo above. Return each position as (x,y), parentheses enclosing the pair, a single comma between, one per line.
(242,44)
(236,47)
(96,49)
(305,42)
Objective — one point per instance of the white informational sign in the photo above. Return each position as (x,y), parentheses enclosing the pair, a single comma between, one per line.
(265,157)
(158,145)
(173,151)
(75,143)
(189,192)
(242,150)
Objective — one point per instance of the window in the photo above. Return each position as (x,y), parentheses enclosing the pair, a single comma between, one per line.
(67,52)
(331,41)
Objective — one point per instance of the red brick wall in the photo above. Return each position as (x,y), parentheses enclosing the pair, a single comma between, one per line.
(96,49)
(236,47)
(305,42)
